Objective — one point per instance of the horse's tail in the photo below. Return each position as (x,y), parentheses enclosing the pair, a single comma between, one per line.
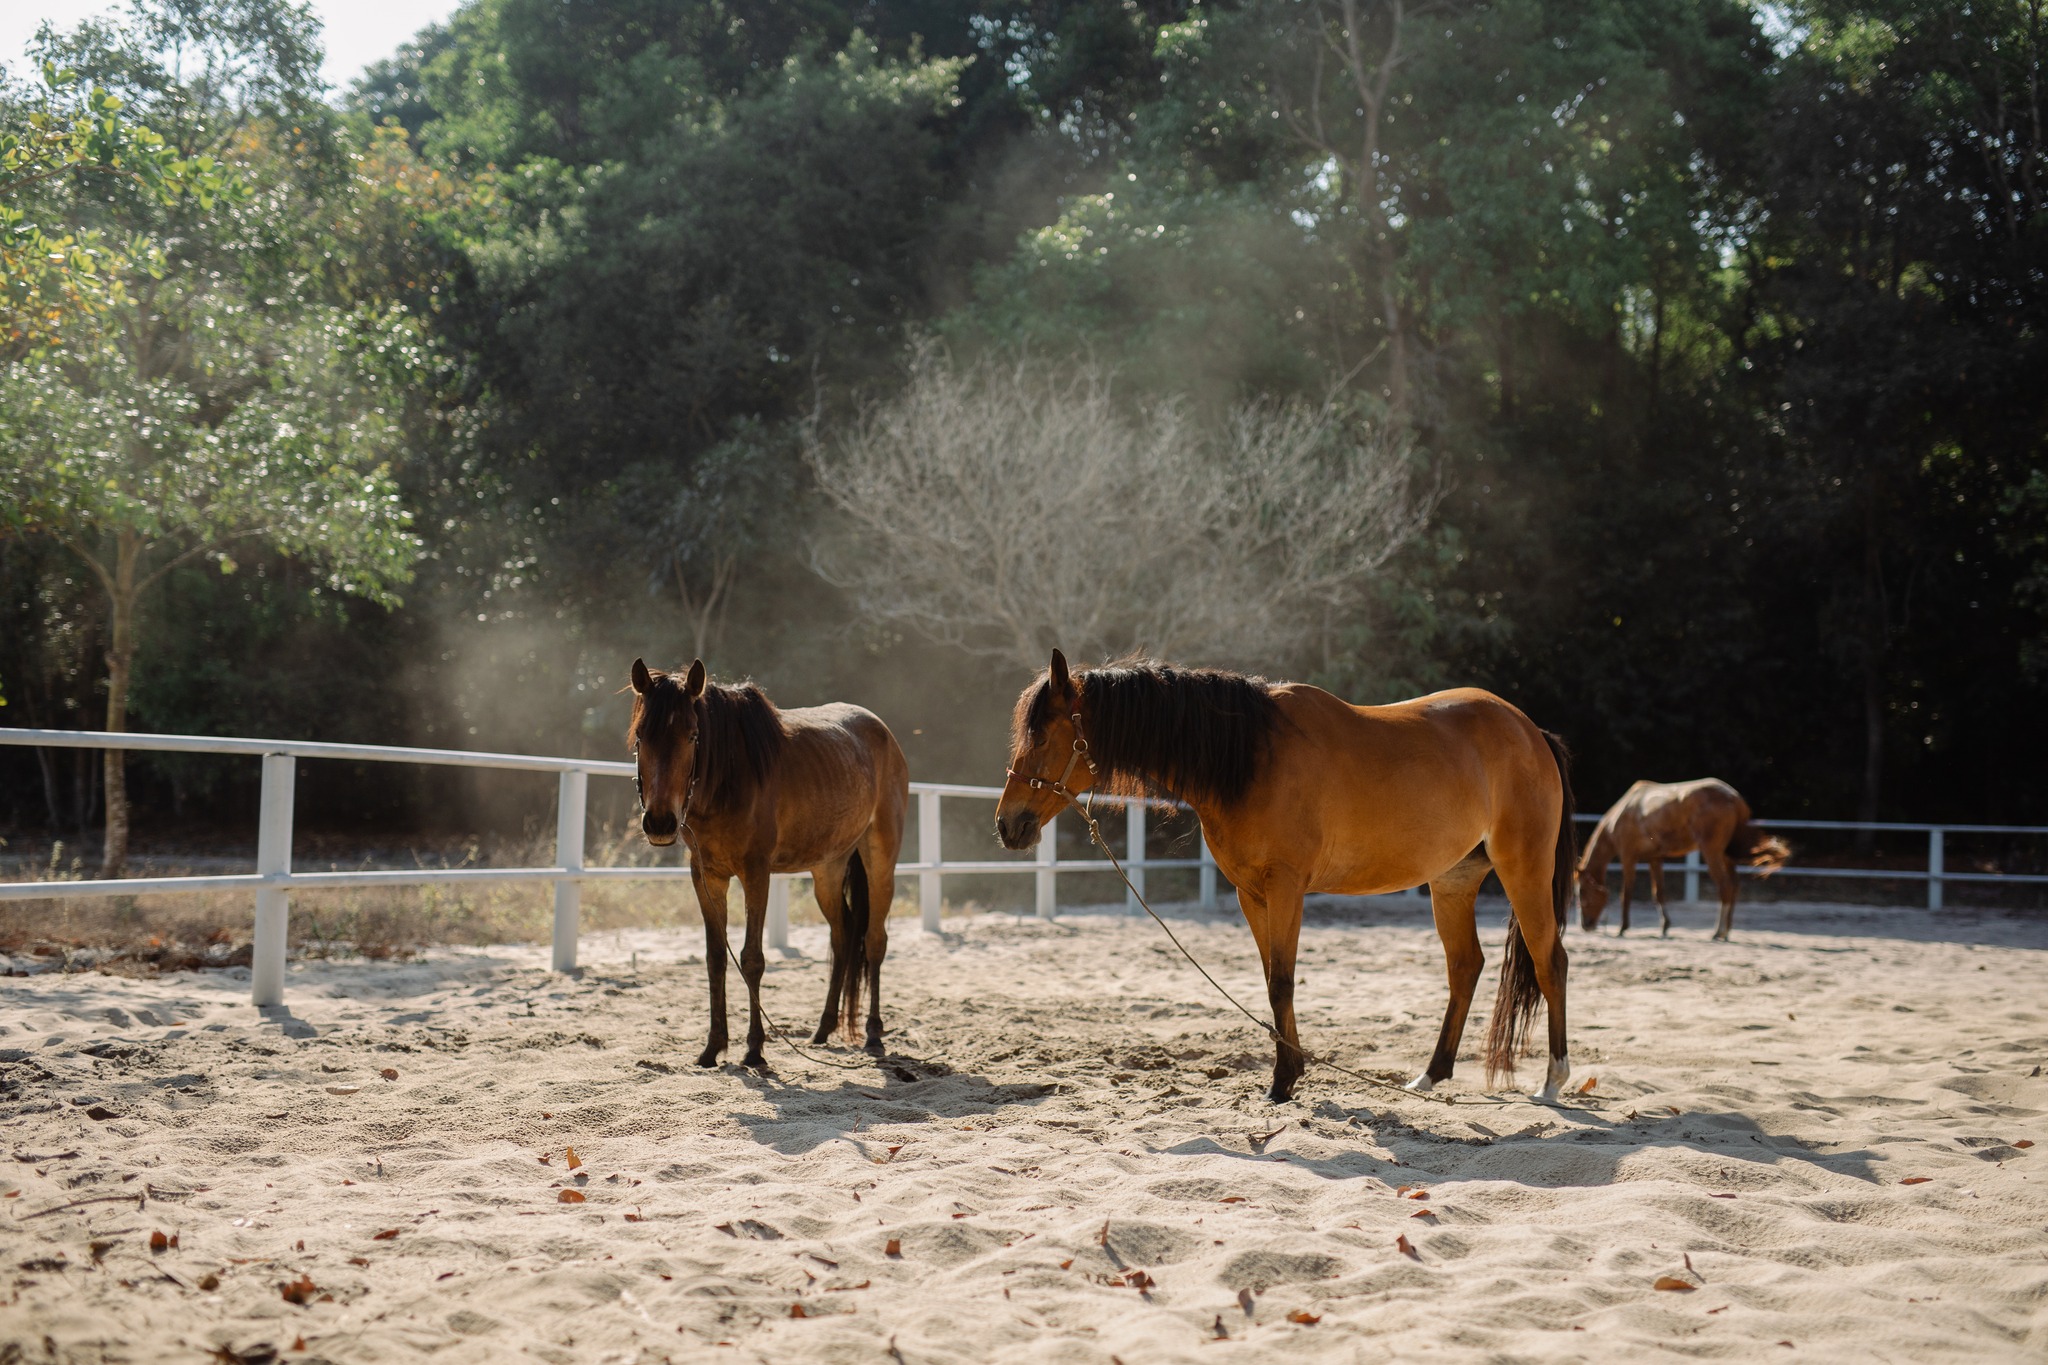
(1514,1005)
(1765,851)
(853,924)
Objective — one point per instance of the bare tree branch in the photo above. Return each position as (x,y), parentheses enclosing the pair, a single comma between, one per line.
(1009,506)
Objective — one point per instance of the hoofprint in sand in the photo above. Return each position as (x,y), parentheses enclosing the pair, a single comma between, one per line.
(1822,1131)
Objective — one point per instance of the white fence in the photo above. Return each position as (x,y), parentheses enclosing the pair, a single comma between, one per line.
(1935,874)
(273,880)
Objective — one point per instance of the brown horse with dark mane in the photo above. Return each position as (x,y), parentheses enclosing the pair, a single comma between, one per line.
(1658,820)
(752,791)
(1301,792)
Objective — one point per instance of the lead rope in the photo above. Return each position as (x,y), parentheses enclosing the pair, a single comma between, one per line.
(1083,806)
(789,1042)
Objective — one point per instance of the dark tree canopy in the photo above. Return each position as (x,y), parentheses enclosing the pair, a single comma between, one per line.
(1721,326)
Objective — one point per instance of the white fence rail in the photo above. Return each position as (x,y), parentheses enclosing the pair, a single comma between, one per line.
(274,880)
(1935,874)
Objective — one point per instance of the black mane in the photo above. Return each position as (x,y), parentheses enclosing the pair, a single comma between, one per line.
(1196,734)
(739,736)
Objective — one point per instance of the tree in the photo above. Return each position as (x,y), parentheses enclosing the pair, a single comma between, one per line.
(53,278)
(196,428)
(703,524)
(1013,505)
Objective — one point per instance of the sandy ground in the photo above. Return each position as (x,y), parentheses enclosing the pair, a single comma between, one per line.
(1826,1127)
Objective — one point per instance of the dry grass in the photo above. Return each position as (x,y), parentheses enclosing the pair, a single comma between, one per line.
(150,933)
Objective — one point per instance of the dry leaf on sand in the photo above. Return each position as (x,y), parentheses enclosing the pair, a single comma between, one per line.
(570,1197)
(1587,1088)
(569,1155)
(1674,1283)
(300,1290)
(894,1247)
(1916,1180)
(385,1235)
(1304,1317)
(796,1310)
(1406,1247)
(389,1073)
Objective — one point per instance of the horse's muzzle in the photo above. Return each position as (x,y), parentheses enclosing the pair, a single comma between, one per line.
(1017,831)
(659,827)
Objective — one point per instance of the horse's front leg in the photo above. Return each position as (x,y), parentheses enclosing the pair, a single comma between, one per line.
(1274,914)
(753,960)
(1657,893)
(711,904)
(1451,899)
(1628,891)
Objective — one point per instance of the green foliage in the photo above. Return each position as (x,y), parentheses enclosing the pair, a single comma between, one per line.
(55,278)
(262,434)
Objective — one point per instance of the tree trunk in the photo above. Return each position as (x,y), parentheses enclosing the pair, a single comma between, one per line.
(120,658)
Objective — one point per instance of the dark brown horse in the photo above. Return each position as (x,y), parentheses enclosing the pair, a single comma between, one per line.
(1658,820)
(1298,791)
(752,791)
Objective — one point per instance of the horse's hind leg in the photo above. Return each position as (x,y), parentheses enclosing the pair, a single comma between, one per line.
(1451,898)
(878,861)
(1724,883)
(1657,891)
(1526,879)
(1628,891)
(711,904)
(828,882)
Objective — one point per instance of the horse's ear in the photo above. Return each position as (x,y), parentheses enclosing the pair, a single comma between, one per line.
(693,686)
(641,682)
(1057,674)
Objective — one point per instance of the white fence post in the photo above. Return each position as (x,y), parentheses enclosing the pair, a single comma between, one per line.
(1934,868)
(1208,874)
(1692,877)
(1134,853)
(570,804)
(1048,856)
(777,935)
(928,889)
(273,903)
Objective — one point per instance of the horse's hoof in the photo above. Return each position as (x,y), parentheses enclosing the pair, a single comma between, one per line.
(709,1056)
(1422,1084)
(754,1061)
(1554,1076)
(873,1047)
(821,1037)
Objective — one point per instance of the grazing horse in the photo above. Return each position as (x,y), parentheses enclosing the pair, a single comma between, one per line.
(752,790)
(1298,791)
(1658,820)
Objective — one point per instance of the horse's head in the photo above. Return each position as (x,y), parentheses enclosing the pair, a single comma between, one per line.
(663,736)
(1592,894)
(1048,757)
